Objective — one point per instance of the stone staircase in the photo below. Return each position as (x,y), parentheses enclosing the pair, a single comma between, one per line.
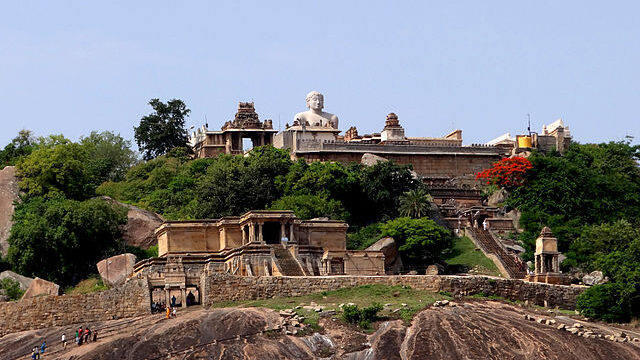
(288,264)
(489,245)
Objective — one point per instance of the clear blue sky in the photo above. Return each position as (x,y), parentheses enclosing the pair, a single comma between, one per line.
(71,67)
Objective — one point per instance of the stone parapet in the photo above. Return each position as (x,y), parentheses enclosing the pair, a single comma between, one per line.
(229,288)
(129,300)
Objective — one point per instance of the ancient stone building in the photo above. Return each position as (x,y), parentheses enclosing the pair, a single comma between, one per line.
(547,265)
(258,243)
(230,139)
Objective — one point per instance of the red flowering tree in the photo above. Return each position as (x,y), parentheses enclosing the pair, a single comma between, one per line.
(508,172)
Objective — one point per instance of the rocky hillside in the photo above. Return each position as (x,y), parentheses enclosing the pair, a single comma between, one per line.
(470,330)
(8,194)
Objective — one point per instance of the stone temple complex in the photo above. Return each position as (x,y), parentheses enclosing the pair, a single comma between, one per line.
(277,243)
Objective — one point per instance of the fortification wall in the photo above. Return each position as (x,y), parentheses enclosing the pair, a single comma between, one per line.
(130,300)
(225,287)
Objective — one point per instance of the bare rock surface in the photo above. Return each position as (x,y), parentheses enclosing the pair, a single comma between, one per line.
(41,287)
(140,225)
(594,278)
(497,198)
(22,280)
(9,192)
(116,269)
(369,159)
(470,330)
(392,260)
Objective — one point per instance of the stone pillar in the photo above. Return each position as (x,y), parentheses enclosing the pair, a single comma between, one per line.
(537,264)
(183,293)
(556,264)
(261,139)
(292,238)
(260,237)
(252,232)
(167,296)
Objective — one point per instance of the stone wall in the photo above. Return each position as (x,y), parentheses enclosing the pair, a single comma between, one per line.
(226,287)
(129,300)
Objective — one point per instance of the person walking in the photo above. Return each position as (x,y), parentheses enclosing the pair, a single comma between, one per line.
(95,335)
(77,343)
(43,346)
(174,312)
(168,312)
(64,341)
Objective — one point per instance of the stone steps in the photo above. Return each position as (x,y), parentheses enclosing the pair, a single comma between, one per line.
(490,245)
(288,265)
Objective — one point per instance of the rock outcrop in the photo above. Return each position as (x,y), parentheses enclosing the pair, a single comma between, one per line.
(24,281)
(140,225)
(392,260)
(41,287)
(594,278)
(9,192)
(470,330)
(498,197)
(116,269)
(369,159)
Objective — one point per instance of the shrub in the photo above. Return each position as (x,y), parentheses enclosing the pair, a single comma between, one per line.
(603,302)
(363,317)
(12,288)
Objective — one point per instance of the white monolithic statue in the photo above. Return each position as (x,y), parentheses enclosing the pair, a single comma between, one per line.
(315,116)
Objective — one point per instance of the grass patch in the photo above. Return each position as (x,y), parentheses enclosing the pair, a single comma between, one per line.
(465,256)
(391,297)
(87,286)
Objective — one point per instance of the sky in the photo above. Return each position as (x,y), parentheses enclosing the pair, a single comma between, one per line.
(73,67)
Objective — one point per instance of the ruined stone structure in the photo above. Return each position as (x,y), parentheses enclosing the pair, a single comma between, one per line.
(547,266)
(229,140)
(258,243)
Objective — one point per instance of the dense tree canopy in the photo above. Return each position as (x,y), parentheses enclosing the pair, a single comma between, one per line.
(61,240)
(421,241)
(163,129)
(590,198)
(60,170)
(21,146)
(590,184)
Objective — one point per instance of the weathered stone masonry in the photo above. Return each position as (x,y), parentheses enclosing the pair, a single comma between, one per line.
(130,300)
(224,287)
(133,298)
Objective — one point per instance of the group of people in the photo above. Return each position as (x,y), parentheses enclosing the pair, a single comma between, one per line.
(82,336)
(37,350)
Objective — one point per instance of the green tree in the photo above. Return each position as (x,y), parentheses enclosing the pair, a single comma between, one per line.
(61,240)
(163,129)
(60,170)
(415,203)
(381,186)
(236,184)
(421,241)
(310,206)
(109,156)
(21,146)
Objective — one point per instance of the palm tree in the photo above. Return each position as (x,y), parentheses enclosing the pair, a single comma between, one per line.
(415,203)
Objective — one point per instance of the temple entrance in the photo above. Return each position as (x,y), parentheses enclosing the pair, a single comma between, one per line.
(271,232)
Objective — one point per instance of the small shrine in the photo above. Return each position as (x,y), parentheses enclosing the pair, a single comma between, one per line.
(547,264)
